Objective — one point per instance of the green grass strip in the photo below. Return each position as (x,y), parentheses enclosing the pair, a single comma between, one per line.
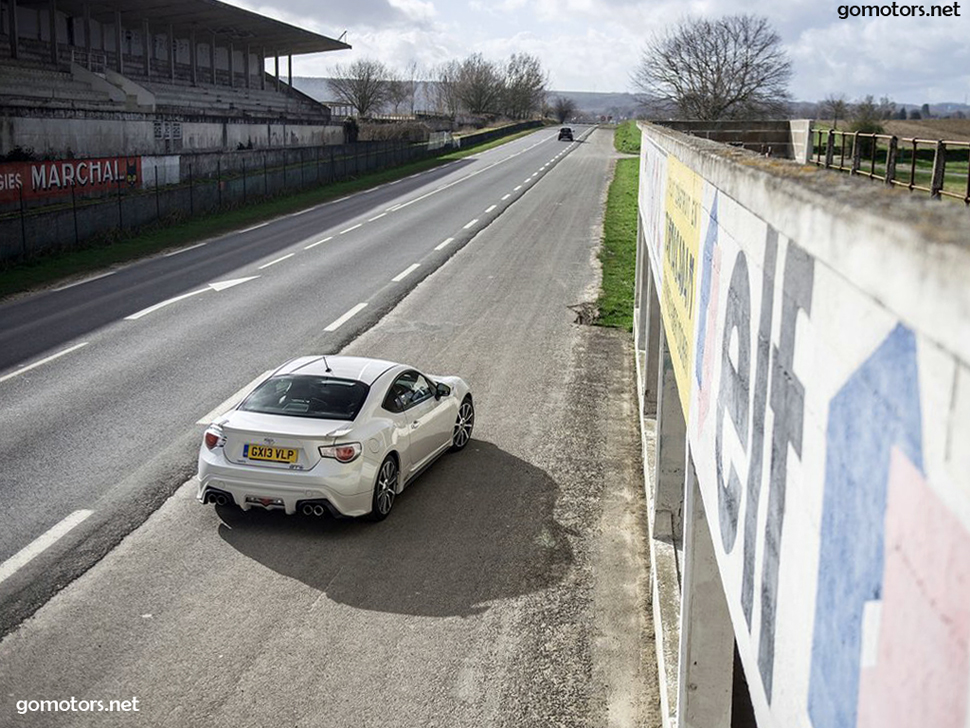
(626,138)
(166,234)
(619,250)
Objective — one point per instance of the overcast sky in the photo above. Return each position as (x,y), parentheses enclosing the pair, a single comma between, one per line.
(591,45)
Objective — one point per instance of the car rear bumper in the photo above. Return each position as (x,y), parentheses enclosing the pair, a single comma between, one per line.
(349,493)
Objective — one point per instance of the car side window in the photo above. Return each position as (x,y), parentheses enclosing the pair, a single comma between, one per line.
(406,391)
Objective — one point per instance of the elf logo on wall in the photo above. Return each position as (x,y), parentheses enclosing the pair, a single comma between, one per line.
(55,178)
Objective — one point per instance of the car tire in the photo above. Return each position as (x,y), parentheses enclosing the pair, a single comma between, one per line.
(464,423)
(385,489)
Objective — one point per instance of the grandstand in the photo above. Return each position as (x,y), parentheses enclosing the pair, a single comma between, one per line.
(92,76)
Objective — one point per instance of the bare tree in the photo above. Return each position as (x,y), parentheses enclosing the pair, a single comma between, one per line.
(732,67)
(563,108)
(364,84)
(479,85)
(397,91)
(836,107)
(444,88)
(525,86)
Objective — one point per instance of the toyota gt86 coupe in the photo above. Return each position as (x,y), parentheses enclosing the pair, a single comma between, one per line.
(333,434)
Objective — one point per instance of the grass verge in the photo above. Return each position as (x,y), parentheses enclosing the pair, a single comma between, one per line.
(626,138)
(619,249)
(164,235)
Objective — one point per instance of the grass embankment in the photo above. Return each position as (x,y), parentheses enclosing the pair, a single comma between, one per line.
(619,249)
(626,138)
(167,234)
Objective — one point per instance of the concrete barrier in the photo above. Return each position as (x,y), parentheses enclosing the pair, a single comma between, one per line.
(803,346)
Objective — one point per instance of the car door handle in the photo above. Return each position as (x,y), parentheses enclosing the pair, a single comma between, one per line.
(415,425)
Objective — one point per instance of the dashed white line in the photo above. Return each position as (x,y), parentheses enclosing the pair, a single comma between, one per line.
(505,197)
(526,181)
(534,174)
(444,244)
(377,217)
(405,273)
(278,260)
(40,544)
(517,188)
(490,208)
(36,364)
(346,317)
(352,227)
(319,242)
(184,250)
(254,227)
(473,223)
(235,399)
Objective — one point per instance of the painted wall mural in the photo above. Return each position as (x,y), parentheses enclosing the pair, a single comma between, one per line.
(820,426)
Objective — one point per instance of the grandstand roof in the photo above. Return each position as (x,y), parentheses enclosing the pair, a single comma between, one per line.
(211,16)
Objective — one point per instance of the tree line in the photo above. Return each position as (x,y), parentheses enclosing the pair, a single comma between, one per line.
(515,89)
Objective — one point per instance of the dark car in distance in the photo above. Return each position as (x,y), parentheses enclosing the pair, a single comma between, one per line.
(566,133)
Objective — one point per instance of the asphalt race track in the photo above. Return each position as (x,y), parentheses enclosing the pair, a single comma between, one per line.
(508,587)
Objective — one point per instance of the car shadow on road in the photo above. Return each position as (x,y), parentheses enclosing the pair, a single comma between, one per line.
(477,526)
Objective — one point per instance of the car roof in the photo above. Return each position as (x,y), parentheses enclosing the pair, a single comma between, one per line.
(363,369)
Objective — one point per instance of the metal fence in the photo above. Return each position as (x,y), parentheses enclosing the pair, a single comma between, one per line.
(207,183)
(939,167)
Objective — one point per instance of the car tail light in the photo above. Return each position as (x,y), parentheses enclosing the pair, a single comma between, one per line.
(214,438)
(344,453)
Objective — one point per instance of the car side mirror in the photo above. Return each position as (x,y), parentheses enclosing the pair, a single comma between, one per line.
(441,390)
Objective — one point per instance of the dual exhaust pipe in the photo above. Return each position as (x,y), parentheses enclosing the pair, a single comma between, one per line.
(313,509)
(219,499)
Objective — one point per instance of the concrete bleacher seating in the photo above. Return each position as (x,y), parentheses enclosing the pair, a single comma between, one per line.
(226,101)
(35,84)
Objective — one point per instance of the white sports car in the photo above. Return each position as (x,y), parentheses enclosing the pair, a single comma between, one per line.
(337,434)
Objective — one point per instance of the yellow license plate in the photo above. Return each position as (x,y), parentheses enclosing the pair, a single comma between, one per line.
(271,454)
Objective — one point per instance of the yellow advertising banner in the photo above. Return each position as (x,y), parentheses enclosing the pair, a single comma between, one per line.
(682,233)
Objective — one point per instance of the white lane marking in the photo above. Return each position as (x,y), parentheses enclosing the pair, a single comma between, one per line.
(185,250)
(217,286)
(516,189)
(490,208)
(405,273)
(36,364)
(505,197)
(92,278)
(473,223)
(163,304)
(395,208)
(468,176)
(378,217)
(223,285)
(278,260)
(40,544)
(313,245)
(254,227)
(444,244)
(395,182)
(534,174)
(346,317)
(235,399)
(340,199)
(352,227)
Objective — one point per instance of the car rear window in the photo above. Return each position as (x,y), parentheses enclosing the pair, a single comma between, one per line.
(302,395)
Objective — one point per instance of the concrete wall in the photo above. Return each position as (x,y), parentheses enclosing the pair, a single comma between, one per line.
(107,134)
(818,332)
(771,138)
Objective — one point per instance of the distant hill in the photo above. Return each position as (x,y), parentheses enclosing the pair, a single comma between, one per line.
(618,105)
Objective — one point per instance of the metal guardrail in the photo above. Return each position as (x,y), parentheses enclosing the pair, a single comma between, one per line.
(916,164)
